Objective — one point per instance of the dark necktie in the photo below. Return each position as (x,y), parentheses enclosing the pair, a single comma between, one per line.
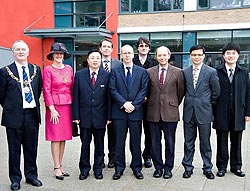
(26,87)
(231,75)
(128,78)
(106,65)
(93,79)
(162,78)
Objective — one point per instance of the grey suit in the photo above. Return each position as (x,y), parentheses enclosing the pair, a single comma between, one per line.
(197,112)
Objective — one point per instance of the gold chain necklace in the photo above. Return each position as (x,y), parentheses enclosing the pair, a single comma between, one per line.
(18,80)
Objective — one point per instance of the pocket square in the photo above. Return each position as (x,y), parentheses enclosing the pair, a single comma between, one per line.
(102,85)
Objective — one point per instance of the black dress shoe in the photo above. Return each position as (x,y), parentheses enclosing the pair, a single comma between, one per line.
(111,164)
(147,163)
(238,172)
(167,175)
(187,174)
(157,173)
(138,175)
(117,175)
(60,177)
(98,175)
(209,174)
(34,182)
(83,176)
(221,173)
(15,186)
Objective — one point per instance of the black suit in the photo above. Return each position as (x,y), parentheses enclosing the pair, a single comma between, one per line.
(22,125)
(232,106)
(110,127)
(149,62)
(90,106)
(121,93)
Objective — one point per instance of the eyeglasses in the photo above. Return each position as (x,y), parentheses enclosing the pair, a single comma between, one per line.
(142,45)
(194,55)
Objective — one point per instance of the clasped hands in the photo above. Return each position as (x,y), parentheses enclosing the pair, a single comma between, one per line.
(128,106)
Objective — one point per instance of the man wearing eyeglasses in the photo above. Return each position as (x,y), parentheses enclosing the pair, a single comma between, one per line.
(144,60)
(202,90)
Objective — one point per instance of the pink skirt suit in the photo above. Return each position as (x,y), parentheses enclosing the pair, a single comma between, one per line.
(57,91)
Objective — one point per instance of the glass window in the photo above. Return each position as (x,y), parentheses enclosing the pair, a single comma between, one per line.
(172,40)
(168,5)
(63,21)
(131,39)
(139,5)
(246,2)
(225,4)
(63,8)
(124,5)
(203,4)
(213,41)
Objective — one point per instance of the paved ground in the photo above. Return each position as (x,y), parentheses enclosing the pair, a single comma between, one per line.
(197,182)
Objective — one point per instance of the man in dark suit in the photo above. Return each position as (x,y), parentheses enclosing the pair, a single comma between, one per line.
(128,87)
(202,90)
(166,90)
(20,90)
(108,63)
(144,60)
(90,111)
(231,111)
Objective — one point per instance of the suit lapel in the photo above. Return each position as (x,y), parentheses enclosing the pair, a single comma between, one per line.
(99,77)
(122,74)
(156,75)
(168,76)
(134,73)
(86,75)
(14,70)
(200,78)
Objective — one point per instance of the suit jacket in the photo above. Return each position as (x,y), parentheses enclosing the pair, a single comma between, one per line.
(241,92)
(149,62)
(163,103)
(200,100)
(90,104)
(121,93)
(113,63)
(11,95)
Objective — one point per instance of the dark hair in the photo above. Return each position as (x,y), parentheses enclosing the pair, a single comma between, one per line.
(142,40)
(105,39)
(197,47)
(95,50)
(231,46)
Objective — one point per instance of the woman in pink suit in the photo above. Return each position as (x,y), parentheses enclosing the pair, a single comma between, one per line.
(57,91)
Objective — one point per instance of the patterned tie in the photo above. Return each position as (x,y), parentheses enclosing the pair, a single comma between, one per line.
(162,78)
(26,87)
(231,75)
(93,79)
(128,78)
(195,76)
(106,65)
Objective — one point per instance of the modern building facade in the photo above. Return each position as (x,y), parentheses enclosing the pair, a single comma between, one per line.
(81,24)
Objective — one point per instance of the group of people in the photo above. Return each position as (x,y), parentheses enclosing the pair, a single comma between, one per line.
(121,96)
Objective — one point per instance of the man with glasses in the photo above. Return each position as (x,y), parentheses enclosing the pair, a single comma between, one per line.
(144,60)
(231,111)
(202,90)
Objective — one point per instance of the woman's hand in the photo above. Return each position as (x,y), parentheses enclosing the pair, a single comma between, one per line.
(54,116)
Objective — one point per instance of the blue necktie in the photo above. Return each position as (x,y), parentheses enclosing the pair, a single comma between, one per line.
(128,78)
(27,90)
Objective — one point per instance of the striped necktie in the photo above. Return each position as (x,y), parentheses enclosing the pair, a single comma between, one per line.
(26,87)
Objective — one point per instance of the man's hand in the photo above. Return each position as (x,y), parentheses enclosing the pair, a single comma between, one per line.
(129,108)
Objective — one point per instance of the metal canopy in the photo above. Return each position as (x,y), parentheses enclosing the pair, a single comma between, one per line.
(67,32)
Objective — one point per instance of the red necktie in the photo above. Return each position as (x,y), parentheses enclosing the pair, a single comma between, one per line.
(162,78)
(93,79)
